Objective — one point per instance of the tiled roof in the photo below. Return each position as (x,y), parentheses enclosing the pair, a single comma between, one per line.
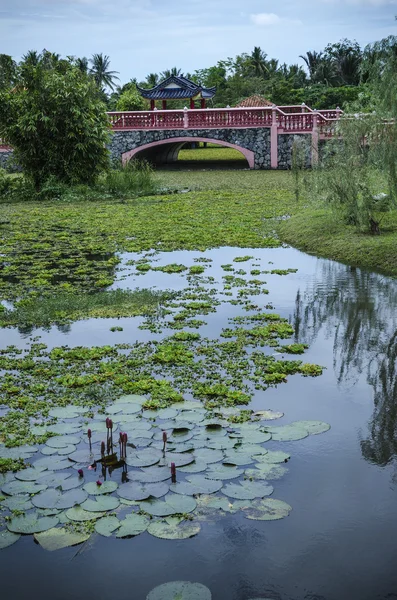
(185,89)
(255,101)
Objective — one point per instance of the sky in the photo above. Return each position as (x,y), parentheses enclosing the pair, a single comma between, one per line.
(144,36)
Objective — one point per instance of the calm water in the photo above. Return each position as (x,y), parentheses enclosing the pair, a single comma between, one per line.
(340,541)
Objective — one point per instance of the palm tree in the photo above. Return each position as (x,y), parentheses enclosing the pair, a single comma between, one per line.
(326,73)
(152,79)
(312,60)
(174,72)
(31,58)
(82,64)
(100,71)
(257,62)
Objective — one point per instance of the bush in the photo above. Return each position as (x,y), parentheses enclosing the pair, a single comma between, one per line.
(135,178)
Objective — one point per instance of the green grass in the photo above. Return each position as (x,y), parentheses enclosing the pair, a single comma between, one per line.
(212,153)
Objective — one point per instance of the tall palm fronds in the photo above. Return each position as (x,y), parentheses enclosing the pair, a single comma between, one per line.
(100,71)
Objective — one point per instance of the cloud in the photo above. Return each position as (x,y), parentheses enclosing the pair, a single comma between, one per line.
(265,19)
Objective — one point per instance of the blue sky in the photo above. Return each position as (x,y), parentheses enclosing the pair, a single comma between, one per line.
(143,36)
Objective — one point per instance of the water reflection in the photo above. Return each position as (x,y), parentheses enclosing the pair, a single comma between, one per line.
(357,310)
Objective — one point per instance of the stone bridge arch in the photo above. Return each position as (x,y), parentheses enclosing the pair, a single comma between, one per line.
(166,151)
(162,146)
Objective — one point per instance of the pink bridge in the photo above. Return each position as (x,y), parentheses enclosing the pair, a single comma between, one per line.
(280,120)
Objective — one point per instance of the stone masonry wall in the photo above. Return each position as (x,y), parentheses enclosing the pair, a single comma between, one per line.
(4,158)
(285,142)
(256,140)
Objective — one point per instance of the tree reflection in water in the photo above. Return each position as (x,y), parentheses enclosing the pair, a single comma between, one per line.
(358,310)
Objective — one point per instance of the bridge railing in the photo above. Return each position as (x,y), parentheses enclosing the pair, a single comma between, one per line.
(4,146)
(300,119)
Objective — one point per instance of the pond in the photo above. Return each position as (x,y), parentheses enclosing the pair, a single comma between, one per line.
(340,539)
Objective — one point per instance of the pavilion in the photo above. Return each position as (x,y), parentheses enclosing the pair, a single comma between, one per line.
(177,88)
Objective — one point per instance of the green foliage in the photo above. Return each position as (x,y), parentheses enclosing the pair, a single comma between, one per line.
(133,179)
(55,122)
(11,464)
(131,100)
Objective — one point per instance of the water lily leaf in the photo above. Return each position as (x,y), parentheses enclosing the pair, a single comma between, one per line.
(64,428)
(172,504)
(83,456)
(268,415)
(101,504)
(267,509)
(23,452)
(21,502)
(56,499)
(52,462)
(107,526)
(168,413)
(192,416)
(61,441)
(266,471)
(180,590)
(136,490)
(223,444)
(196,484)
(97,490)
(52,479)
(223,472)
(233,457)
(247,490)
(58,538)
(157,473)
(71,483)
(134,398)
(79,514)
(274,456)
(128,408)
(208,455)
(313,427)
(133,524)
(23,487)
(49,451)
(143,458)
(7,538)
(182,531)
(253,437)
(29,474)
(221,503)
(180,437)
(288,433)
(67,412)
(186,405)
(180,460)
(198,466)
(31,523)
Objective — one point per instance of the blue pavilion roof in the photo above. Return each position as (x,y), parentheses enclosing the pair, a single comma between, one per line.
(181,88)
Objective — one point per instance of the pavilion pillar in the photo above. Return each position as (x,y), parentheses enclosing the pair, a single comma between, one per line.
(202,102)
(315,137)
(152,104)
(191,103)
(274,140)
(164,104)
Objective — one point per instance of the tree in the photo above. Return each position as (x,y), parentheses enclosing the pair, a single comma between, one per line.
(152,80)
(100,71)
(130,99)
(258,63)
(55,122)
(174,72)
(312,60)
(82,64)
(8,69)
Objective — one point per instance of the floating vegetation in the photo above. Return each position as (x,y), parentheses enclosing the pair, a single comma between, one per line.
(180,590)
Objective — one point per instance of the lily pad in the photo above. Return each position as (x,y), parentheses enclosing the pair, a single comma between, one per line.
(171,505)
(79,514)
(98,490)
(61,441)
(240,459)
(208,455)
(180,460)
(313,427)
(143,458)
(101,504)
(198,466)
(67,412)
(266,471)
(29,474)
(223,472)
(180,590)
(196,484)
(268,415)
(133,524)
(22,487)
(136,490)
(31,523)
(288,433)
(53,463)
(134,398)
(127,408)
(58,538)
(21,502)
(168,413)
(56,499)
(83,456)
(64,428)
(274,456)
(181,531)
(7,538)
(107,525)
(267,509)
(247,490)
